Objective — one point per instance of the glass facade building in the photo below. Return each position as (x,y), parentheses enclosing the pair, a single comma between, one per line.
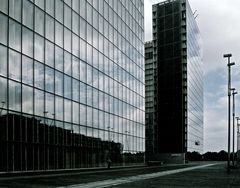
(176,119)
(71,83)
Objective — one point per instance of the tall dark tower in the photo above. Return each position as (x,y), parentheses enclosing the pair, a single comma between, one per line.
(177,125)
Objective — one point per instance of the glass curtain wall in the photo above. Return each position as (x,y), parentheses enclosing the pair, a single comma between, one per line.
(72,83)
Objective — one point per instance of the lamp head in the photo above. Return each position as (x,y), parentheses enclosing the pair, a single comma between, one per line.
(227,55)
(231,64)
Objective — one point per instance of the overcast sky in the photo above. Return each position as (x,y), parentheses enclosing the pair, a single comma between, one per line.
(219,24)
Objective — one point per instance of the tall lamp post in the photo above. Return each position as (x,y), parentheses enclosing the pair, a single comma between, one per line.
(229,105)
(238,134)
(233,113)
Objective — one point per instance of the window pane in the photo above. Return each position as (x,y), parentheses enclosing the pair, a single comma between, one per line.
(38,102)
(75,24)
(67,39)
(83,28)
(59,108)
(89,14)
(59,83)
(75,45)
(59,10)
(75,89)
(67,16)
(89,116)
(75,112)
(83,93)
(39,48)
(38,75)
(83,115)
(83,50)
(67,111)
(27,43)
(89,96)
(27,12)
(15,9)
(59,33)
(14,35)
(83,71)
(50,7)
(67,63)
(14,65)
(75,67)
(49,81)
(68,2)
(14,94)
(89,54)
(3,93)
(58,58)
(3,60)
(49,53)
(4,6)
(89,34)
(89,74)
(3,29)
(49,104)
(27,99)
(67,87)
(40,3)
(27,70)
(39,21)
(49,28)
(75,5)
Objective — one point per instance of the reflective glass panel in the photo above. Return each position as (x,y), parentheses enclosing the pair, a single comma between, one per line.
(58,10)
(59,108)
(59,83)
(4,6)
(27,42)
(14,35)
(39,21)
(27,12)
(27,99)
(67,87)
(14,65)
(14,94)
(3,60)
(3,29)
(39,48)
(58,58)
(59,34)
(49,28)
(27,69)
(67,63)
(3,92)
(49,81)
(38,75)
(67,110)
(49,53)
(50,7)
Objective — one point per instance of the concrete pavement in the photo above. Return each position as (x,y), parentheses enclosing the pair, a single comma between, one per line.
(202,174)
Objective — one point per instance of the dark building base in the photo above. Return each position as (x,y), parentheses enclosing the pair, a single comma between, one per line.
(166,158)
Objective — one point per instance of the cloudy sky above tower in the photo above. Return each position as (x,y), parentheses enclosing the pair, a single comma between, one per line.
(219,25)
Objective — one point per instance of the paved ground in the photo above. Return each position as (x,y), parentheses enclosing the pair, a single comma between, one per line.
(191,175)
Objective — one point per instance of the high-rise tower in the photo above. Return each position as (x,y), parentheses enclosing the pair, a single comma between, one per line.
(177,82)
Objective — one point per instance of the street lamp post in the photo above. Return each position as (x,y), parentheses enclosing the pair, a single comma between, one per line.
(238,134)
(229,106)
(233,109)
